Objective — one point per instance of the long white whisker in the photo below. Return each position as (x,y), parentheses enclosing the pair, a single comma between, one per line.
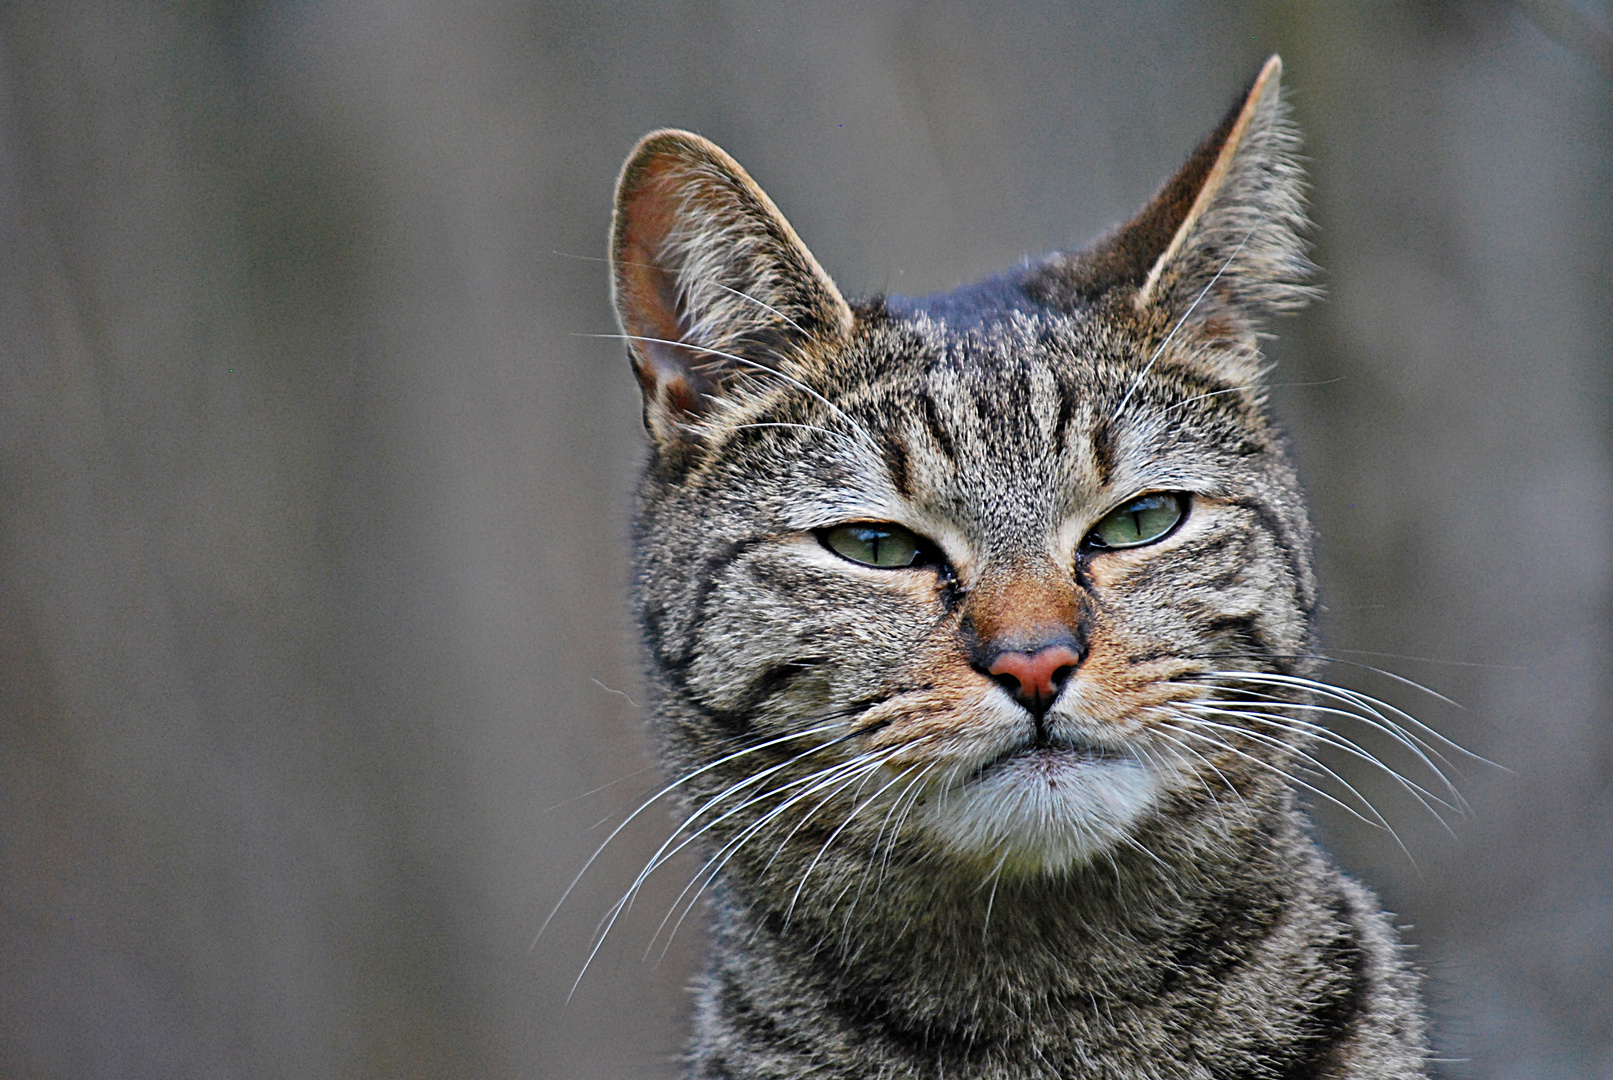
(656,862)
(826,844)
(1409,740)
(673,786)
(713,866)
(838,778)
(991,901)
(1328,737)
(625,901)
(1415,790)
(1137,845)
(798,384)
(1355,697)
(804,819)
(1213,393)
(595,791)
(763,306)
(662,854)
(803,427)
(1340,693)
(1246,386)
(1181,321)
(1256,699)
(910,796)
(1403,680)
(1213,768)
(1380,822)
(742,295)
(1427,660)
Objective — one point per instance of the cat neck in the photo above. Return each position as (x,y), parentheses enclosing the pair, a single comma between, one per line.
(959,955)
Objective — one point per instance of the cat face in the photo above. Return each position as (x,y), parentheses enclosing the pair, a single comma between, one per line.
(950,575)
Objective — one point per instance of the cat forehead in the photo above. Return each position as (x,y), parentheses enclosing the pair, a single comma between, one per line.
(1041,413)
(1014,375)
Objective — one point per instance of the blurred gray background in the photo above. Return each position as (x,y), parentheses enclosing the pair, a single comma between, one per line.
(313,500)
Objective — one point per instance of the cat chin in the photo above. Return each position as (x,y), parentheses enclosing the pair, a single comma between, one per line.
(1041,811)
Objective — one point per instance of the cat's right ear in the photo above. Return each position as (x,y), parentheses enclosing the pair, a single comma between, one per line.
(710,282)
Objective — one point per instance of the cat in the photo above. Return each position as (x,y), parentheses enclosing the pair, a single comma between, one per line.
(980,633)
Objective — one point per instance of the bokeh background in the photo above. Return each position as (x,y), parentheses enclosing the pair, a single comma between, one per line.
(314,644)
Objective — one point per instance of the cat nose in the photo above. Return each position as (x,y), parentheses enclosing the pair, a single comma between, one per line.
(1036,675)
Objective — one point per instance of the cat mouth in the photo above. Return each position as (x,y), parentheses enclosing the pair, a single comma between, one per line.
(1048,754)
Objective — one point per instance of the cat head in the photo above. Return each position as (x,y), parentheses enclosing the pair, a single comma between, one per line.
(958,571)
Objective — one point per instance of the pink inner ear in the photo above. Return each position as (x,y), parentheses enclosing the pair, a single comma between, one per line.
(647,291)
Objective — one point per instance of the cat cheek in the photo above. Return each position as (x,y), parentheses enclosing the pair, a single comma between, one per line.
(1117,695)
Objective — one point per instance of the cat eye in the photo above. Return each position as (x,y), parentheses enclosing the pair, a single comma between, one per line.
(1141,521)
(877,543)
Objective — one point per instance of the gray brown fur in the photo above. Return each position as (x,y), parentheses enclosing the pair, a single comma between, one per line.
(939,910)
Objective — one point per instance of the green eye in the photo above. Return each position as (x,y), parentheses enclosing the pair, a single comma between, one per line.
(1140,521)
(879,544)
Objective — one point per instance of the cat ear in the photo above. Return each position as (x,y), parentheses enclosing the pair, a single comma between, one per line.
(1221,245)
(710,282)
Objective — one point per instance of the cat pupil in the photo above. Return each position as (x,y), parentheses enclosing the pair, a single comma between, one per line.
(875,539)
(888,547)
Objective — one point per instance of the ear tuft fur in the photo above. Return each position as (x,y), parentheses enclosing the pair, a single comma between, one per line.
(1245,226)
(710,282)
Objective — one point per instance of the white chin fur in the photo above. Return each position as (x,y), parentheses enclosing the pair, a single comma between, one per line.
(1041,812)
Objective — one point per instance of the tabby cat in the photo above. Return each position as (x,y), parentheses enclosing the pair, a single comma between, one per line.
(980,630)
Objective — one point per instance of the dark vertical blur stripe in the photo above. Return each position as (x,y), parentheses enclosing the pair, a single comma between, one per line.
(313,503)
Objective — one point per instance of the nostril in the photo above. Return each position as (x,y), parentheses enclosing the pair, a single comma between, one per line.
(1034,677)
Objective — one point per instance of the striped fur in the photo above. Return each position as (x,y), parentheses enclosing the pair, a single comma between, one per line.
(913,877)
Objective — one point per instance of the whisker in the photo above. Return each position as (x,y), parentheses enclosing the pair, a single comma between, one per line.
(883,862)
(1409,740)
(916,791)
(1137,845)
(1329,738)
(798,384)
(1323,657)
(803,427)
(1246,386)
(668,850)
(807,817)
(765,307)
(653,799)
(843,776)
(1183,320)
(1371,704)
(625,902)
(991,901)
(832,836)
(1377,820)
(742,295)
(714,865)
(1430,660)
(799,825)
(1213,393)
(1213,768)
(597,790)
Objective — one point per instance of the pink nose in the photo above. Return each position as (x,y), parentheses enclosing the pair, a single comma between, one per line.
(1035,678)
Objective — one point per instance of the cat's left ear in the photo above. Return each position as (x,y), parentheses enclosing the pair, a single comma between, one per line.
(711,283)
(1221,245)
